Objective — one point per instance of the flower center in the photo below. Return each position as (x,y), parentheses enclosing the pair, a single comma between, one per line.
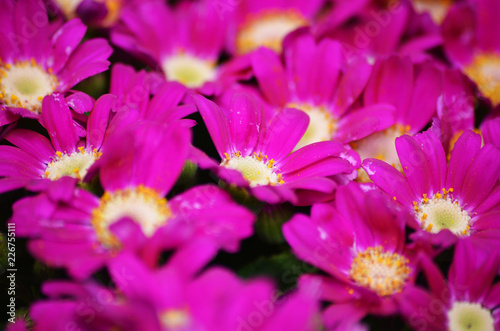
(382,146)
(175,319)
(114,8)
(322,125)
(267,28)
(380,271)
(189,70)
(25,84)
(436,8)
(141,204)
(257,168)
(442,212)
(74,165)
(466,316)
(484,70)
(68,7)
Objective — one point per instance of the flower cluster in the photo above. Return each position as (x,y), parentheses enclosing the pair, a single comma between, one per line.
(251,165)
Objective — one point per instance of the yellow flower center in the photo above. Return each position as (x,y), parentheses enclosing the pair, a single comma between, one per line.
(68,7)
(189,70)
(74,165)
(267,28)
(25,84)
(436,8)
(322,124)
(442,212)
(382,272)
(257,169)
(175,319)
(142,204)
(484,70)
(466,316)
(381,146)
(114,8)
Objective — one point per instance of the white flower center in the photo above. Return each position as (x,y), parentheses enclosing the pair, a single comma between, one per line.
(466,316)
(322,124)
(267,28)
(189,70)
(143,205)
(25,84)
(383,272)
(436,8)
(484,70)
(74,165)
(442,212)
(257,169)
(175,319)
(382,146)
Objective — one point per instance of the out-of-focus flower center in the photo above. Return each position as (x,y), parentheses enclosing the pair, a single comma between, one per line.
(484,70)
(267,28)
(74,165)
(383,272)
(466,316)
(436,8)
(114,8)
(142,204)
(442,212)
(68,7)
(175,319)
(25,84)
(189,70)
(380,145)
(257,169)
(322,124)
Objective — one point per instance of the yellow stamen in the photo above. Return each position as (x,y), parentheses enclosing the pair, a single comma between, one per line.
(383,272)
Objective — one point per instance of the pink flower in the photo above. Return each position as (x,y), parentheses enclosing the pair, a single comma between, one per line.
(449,201)
(80,231)
(258,156)
(39,58)
(471,45)
(359,242)
(316,78)
(166,299)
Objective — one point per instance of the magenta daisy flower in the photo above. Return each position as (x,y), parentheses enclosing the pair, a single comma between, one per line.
(165,299)
(38,59)
(413,89)
(359,241)
(468,300)
(134,102)
(75,229)
(449,201)
(471,46)
(266,23)
(185,42)
(374,28)
(316,79)
(35,160)
(257,155)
